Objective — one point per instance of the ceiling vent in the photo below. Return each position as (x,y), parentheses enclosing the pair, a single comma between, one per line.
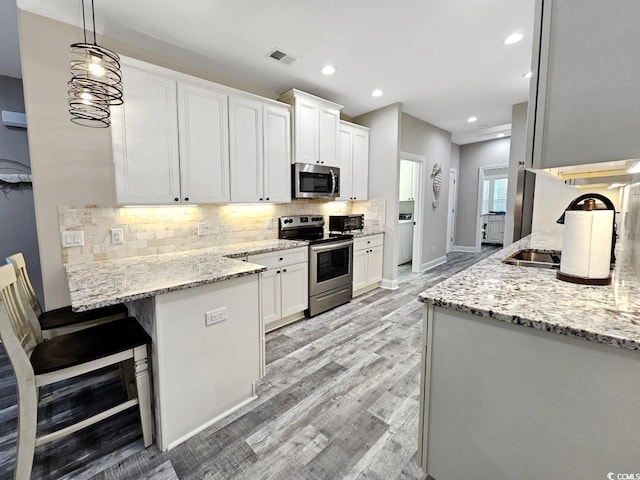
(281,56)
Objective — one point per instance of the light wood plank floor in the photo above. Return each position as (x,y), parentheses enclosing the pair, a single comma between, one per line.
(340,400)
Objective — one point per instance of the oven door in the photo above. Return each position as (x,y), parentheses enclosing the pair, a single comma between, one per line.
(330,266)
(315,181)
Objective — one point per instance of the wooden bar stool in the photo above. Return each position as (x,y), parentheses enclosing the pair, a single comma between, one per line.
(62,320)
(37,362)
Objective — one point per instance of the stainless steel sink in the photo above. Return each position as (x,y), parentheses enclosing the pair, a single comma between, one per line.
(535,258)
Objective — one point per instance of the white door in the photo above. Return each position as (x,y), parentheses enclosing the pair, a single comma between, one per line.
(328,146)
(277,154)
(271,304)
(360,164)
(360,261)
(245,149)
(295,294)
(451,206)
(145,140)
(307,116)
(345,150)
(204,145)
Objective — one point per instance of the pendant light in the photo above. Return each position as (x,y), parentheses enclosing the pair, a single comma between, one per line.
(96,80)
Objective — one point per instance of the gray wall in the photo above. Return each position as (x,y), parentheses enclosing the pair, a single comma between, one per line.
(516,155)
(384,171)
(472,157)
(72,165)
(421,138)
(455,157)
(17,217)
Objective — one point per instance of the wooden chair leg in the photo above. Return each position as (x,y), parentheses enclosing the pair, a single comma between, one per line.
(143,385)
(27,423)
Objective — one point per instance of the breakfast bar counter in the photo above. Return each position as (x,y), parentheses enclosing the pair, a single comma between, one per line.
(528,376)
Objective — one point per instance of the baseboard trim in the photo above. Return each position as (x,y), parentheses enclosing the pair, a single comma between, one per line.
(389,284)
(186,437)
(433,263)
(462,248)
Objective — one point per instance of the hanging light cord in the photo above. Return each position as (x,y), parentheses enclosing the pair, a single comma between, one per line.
(84,23)
(93,16)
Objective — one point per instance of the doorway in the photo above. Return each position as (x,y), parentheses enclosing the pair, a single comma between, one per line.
(410,210)
(492,205)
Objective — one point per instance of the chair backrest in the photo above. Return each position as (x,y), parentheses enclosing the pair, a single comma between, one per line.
(20,266)
(19,327)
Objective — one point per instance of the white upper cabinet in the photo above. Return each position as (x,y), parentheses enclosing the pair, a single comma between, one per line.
(204,150)
(409,177)
(145,140)
(353,154)
(315,124)
(260,155)
(170,139)
(584,105)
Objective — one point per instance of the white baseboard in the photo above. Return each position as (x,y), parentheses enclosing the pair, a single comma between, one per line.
(433,263)
(389,284)
(462,248)
(186,437)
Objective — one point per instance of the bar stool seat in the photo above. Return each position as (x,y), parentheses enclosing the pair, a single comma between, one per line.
(61,320)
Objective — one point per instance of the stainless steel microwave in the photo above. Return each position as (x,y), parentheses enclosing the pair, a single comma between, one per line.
(315,181)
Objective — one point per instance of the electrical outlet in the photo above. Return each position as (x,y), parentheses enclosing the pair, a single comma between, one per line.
(269,223)
(117,236)
(73,238)
(215,316)
(202,229)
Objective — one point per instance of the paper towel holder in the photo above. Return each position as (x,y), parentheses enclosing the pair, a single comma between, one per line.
(587,202)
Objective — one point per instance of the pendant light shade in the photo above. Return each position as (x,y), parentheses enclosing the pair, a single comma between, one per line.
(96,81)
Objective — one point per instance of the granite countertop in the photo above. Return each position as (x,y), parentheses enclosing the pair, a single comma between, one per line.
(533,297)
(367,232)
(99,284)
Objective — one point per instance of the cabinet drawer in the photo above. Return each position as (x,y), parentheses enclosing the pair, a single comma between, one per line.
(280,258)
(367,242)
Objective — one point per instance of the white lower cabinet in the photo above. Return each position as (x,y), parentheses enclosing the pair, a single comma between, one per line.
(284,286)
(367,263)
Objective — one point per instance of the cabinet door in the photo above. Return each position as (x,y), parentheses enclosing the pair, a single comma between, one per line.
(360,260)
(145,140)
(374,267)
(204,145)
(329,126)
(345,150)
(406,180)
(306,125)
(271,296)
(295,294)
(245,148)
(360,164)
(277,154)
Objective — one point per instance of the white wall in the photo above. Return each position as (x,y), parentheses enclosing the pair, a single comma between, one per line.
(472,157)
(384,171)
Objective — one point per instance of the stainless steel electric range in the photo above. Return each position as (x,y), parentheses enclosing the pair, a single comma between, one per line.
(330,261)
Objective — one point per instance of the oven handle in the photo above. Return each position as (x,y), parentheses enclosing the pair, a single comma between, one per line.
(330,246)
(333,182)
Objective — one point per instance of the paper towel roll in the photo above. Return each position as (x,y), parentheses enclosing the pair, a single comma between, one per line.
(586,243)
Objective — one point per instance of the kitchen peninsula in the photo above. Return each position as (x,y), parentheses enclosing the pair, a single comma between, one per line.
(526,376)
(202,311)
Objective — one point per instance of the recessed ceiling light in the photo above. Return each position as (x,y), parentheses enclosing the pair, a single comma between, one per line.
(500,135)
(377,93)
(527,75)
(472,119)
(328,69)
(513,38)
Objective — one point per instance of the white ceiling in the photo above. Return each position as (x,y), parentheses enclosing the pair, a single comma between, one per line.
(444,60)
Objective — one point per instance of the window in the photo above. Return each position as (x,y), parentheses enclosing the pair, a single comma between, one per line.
(494,198)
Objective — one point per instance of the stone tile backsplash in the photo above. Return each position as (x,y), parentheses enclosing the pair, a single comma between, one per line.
(631,224)
(153,230)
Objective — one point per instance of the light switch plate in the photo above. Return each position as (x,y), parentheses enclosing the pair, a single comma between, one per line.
(73,238)
(202,229)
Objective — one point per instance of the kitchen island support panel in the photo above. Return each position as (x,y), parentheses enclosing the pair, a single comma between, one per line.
(500,399)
